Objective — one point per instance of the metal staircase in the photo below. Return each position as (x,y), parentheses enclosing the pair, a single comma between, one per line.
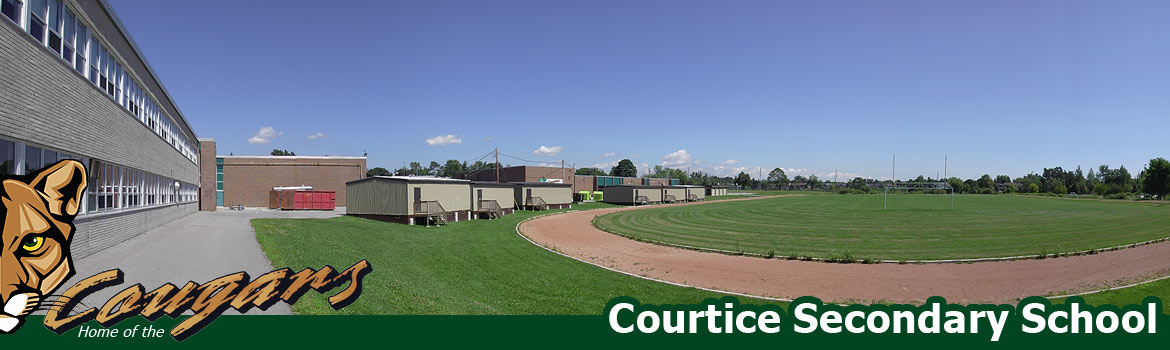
(693,198)
(432,210)
(668,198)
(643,200)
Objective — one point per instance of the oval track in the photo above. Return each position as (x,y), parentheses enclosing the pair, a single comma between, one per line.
(573,234)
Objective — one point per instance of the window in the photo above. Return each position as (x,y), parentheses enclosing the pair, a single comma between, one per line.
(94,57)
(36,22)
(55,25)
(7,157)
(32,159)
(11,9)
(67,24)
(82,45)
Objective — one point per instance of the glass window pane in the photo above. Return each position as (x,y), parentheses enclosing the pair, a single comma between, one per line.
(7,157)
(32,159)
(10,9)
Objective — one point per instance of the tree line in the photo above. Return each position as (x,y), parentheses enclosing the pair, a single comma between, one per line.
(1104,181)
(446,169)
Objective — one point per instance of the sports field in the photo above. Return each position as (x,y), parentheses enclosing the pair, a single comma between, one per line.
(469,267)
(915,227)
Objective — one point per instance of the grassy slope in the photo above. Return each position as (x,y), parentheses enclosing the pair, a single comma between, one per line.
(915,227)
(470,267)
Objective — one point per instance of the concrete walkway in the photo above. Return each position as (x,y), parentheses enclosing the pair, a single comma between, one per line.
(198,247)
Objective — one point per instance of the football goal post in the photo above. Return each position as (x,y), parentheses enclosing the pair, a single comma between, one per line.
(924,186)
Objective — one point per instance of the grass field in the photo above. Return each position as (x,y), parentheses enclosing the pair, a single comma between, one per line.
(916,227)
(470,267)
(1131,295)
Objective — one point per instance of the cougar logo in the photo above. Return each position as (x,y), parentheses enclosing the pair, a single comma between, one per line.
(37,211)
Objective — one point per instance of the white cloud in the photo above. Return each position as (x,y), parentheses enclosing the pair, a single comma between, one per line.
(265,135)
(730,162)
(643,168)
(318,135)
(608,154)
(676,158)
(443,140)
(548,151)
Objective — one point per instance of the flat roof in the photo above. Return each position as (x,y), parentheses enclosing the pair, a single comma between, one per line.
(492,184)
(416,179)
(640,186)
(542,184)
(289,157)
(689,186)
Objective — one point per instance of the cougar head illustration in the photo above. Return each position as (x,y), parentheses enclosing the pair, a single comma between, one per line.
(37,212)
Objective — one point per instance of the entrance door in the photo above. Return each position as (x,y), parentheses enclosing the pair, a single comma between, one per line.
(418,194)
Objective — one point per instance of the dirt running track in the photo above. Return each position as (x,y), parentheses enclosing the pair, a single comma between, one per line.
(573,234)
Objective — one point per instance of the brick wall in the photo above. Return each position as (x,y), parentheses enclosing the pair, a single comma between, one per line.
(248,181)
(207,177)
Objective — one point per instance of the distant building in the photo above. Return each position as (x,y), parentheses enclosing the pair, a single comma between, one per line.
(248,180)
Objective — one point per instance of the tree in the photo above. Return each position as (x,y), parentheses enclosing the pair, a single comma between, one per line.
(985,182)
(1003,179)
(1157,177)
(814,182)
(451,168)
(858,184)
(590,171)
(378,171)
(282,153)
(416,169)
(777,177)
(743,180)
(662,172)
(624,168)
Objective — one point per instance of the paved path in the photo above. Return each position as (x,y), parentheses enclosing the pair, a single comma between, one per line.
(573,234)
(198,247)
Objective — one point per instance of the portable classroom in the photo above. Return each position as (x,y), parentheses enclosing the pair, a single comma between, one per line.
(716,190)
(671,194)
(543,195)
(628,194)
(409,199)
(694,193)
(491,199)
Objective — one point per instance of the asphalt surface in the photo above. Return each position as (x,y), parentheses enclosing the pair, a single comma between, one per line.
(198,247)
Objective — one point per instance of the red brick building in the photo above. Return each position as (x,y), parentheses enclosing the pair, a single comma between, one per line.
(248,180)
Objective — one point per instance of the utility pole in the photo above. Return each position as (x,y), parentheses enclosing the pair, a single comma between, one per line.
(562,170)
(498,165)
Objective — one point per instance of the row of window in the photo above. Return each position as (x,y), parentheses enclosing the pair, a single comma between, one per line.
(111,186)
(53,24)
(114,186)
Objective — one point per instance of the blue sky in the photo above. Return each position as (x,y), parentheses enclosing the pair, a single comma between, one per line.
(1001,87)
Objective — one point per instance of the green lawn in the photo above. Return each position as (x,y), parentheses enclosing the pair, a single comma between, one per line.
(916,227)
(469,267)
(1131,295)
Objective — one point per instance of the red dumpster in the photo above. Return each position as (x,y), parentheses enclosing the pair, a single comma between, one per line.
(313,200)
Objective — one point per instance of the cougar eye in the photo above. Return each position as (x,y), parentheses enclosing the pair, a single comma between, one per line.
(32,243)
